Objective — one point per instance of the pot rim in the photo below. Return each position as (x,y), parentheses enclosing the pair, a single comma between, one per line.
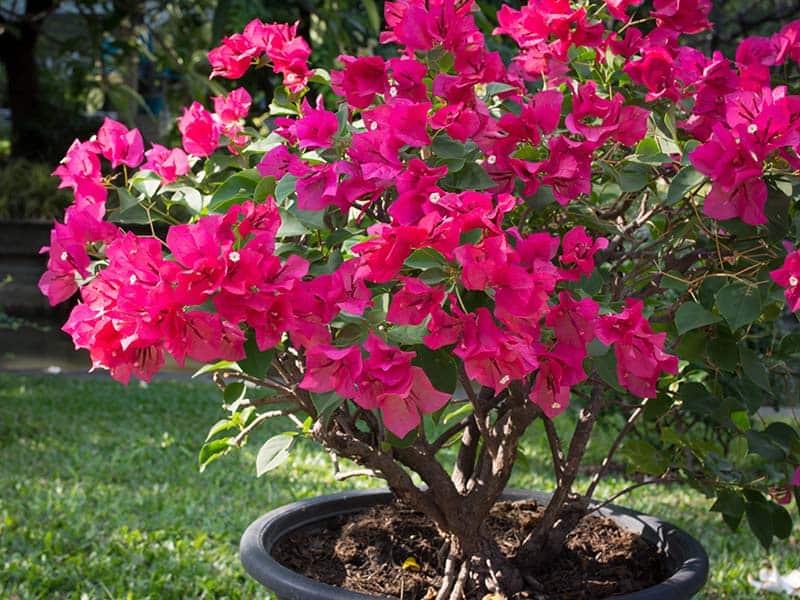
(685,558)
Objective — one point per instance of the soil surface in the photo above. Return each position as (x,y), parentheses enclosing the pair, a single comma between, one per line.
(365,552)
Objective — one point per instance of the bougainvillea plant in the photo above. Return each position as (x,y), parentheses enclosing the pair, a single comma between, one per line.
(412,259)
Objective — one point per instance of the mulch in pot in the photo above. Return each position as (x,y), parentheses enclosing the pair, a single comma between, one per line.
(365,552)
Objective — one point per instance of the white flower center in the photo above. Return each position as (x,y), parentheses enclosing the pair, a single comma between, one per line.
(64,255)
(491,159)
(234,256)
(505,379)
(373,126)
(555,405)
(793,281)
(132,279)
(752,128)
(434,197)
(393,91)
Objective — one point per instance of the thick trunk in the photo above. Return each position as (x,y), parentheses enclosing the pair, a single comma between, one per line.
(18,54)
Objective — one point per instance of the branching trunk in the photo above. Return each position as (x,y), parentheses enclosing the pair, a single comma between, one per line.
(564,509)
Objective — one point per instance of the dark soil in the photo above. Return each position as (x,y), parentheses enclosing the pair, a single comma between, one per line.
(365,552)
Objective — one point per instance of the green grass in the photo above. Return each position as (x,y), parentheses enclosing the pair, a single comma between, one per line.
(100,496)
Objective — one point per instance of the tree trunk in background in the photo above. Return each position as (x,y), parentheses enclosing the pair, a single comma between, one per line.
(18,55)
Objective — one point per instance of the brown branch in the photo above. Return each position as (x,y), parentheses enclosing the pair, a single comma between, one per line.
(614,447)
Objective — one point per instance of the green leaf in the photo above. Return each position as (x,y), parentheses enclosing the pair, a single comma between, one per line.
(687,179)
(632,177)
(217,366)
(463,410)
(273,453)
(256,362)
(408,335)
(265,187)
(739,304)
(754,369)
(212,450)
(762,444)
(290,225)
(130,211)
(146,182)
(425,258)
(221,425)
(233,392)
(759,517)
(439,366)
(471,177)
(606,366)
(239,186)
(644,457)
(729,504)
(326,404)
(444,146)
(396,442)
(692,316)
(781,521)
(696,398)
(723,351)
(790,344)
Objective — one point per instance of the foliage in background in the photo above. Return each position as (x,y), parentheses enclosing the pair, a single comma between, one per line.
(39,198)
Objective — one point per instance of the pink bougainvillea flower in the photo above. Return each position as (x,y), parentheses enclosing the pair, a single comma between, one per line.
(412,304)
(317,189)
(316,128)
(169,164)
(80,171)
(559,370)
(640,352)
(119,144)
(362,78)
(656,71)
(234,106)
(382,257)
(199,131)
(617,8)
(402,120)
(788,277)
(402,412)
(573,322)
(684,16)
(279,161)
(568,170)
(329,368)
(491,356)
(579,249)
(233,57)
(287,52)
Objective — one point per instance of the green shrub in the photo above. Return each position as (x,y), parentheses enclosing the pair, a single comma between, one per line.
(28,191)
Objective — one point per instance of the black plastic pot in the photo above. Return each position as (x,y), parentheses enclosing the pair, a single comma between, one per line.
(685,559)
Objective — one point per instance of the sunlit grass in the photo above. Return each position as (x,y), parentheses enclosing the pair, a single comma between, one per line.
(100,496)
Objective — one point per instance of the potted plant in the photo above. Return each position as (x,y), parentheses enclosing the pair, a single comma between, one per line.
(415,258)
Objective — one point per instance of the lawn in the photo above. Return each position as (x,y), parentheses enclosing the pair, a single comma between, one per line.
(100,496)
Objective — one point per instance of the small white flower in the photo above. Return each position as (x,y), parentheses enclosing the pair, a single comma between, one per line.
(234,256)
(555,405)
(132,279)
(393,91)
(434,197)
(373,126)
(504,379)
(793,281)
(491,159)
(752,128)
(64,255)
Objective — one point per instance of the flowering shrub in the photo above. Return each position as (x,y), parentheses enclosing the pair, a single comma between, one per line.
(457,247)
